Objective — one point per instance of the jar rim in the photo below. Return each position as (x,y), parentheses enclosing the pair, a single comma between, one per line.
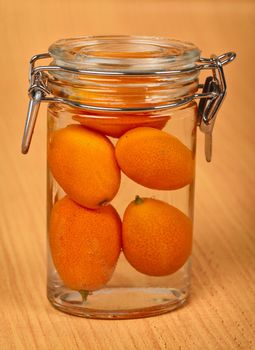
(124,53)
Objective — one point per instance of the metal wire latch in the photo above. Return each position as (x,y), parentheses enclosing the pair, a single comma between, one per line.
(208,108)
(212,95)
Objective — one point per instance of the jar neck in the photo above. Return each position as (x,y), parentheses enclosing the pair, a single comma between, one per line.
(125,90)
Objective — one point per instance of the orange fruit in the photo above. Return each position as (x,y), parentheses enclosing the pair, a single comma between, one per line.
(117,125)
(157,237)
(85,244)
(155,159)
(83,163)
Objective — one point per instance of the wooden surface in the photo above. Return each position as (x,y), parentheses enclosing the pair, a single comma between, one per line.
(221,311)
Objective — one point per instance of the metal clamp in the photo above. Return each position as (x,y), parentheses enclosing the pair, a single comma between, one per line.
(212,95)
(208,108)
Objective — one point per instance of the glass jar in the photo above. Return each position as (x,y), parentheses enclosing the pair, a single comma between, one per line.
(122,121)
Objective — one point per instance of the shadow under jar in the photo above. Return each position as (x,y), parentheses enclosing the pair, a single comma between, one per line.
(122,122)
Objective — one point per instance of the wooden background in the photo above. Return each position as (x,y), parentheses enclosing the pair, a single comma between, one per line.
(221,312)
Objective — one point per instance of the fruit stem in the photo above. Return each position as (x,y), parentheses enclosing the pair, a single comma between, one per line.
(103,203)
(84,294)
(138,200)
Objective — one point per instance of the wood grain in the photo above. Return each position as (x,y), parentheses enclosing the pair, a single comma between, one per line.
(221,311)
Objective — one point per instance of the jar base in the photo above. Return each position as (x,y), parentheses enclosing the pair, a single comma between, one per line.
(121,302)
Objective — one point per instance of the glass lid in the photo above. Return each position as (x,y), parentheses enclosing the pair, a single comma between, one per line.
(130,54)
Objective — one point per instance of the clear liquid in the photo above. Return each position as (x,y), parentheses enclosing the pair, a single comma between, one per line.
(129,293)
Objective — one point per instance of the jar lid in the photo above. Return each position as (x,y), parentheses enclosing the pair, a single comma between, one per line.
(129,54)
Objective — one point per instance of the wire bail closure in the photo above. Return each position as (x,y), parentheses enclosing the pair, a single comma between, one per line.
(213,93)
